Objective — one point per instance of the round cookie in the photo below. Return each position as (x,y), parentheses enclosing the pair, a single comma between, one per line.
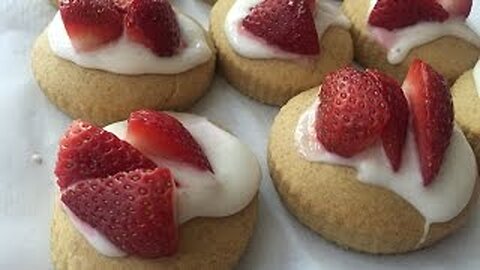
(275,81)
(205,243)
(331,201)
(467,108)
(102,97)
(449,55)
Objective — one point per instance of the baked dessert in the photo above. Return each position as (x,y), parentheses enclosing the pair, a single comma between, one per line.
(370,171)
(389,34)
(161,190)
(466,98)
(271,50)
(99,60)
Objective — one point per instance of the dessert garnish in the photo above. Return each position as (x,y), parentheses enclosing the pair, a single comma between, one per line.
(286,24)
(91,24)
(360,108)
(110,185)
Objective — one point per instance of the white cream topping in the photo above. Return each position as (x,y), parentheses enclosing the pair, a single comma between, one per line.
(200,194)
(476,77)
(127,57)
(473,19)
(328,13)
(400,42)
(441,201)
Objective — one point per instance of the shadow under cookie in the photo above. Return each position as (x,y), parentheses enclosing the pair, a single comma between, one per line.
(205,243)
(451,56)
(102,97)
(331,201)
(275,81)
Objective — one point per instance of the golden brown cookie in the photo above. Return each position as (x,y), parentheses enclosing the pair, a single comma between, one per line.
(205,243)
(449,55)
(467,108)
(275,81)
(331,201)
(102,97)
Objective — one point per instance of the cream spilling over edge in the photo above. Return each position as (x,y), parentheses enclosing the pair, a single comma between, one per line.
(130,58)
(328,13)
(476,77)
(400,42)
(201,194)
(441,201)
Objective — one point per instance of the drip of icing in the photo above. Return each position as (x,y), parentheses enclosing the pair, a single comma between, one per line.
(328,13)
(476,77)
(200,193)
(127,57)
(400,42)
(441,201)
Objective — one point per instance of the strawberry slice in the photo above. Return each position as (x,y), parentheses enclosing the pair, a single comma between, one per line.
(432,108)
(457,8)
(134,210)
(122,5)
(394,14)
(154,24)
(352,112)
(91,24)
(287,24)
(87,151)
(159,134)
(395,132)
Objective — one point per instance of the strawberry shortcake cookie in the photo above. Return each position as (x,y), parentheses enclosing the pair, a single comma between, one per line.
(389,34)
(161,190)
(99,60)
(273,49)
(375,166)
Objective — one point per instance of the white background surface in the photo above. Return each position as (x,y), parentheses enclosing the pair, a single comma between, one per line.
(31,125)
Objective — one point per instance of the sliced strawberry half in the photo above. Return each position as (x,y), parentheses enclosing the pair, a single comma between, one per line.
(287,24)
(395,132)
(134,210)
(394,14)
(154,24)
(87,151)
(457,8)
(122,5)
(352,112)
(432,108)
(159,134)
(91,24)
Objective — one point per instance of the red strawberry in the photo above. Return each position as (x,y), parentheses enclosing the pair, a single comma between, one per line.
(91,23)
(352,112)
(154,24)
(134,210)
(122,5)
(432,108)
(87,151)
(393,14)
(160,134)
(395,132)
(287,24)
(457,7)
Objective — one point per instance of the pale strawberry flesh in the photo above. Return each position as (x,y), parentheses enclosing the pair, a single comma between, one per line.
(134,210)
(395,14)
(153,23)
(352,112)
(91,24)
(395,132)
(457,8)
(87,151)
(159,134)
(432,116)
(286,24)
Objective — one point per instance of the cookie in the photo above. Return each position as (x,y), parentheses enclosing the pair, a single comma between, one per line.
(205,243)
(331,201)
(467,108)
(449,55)
(103,97)
(275,81)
